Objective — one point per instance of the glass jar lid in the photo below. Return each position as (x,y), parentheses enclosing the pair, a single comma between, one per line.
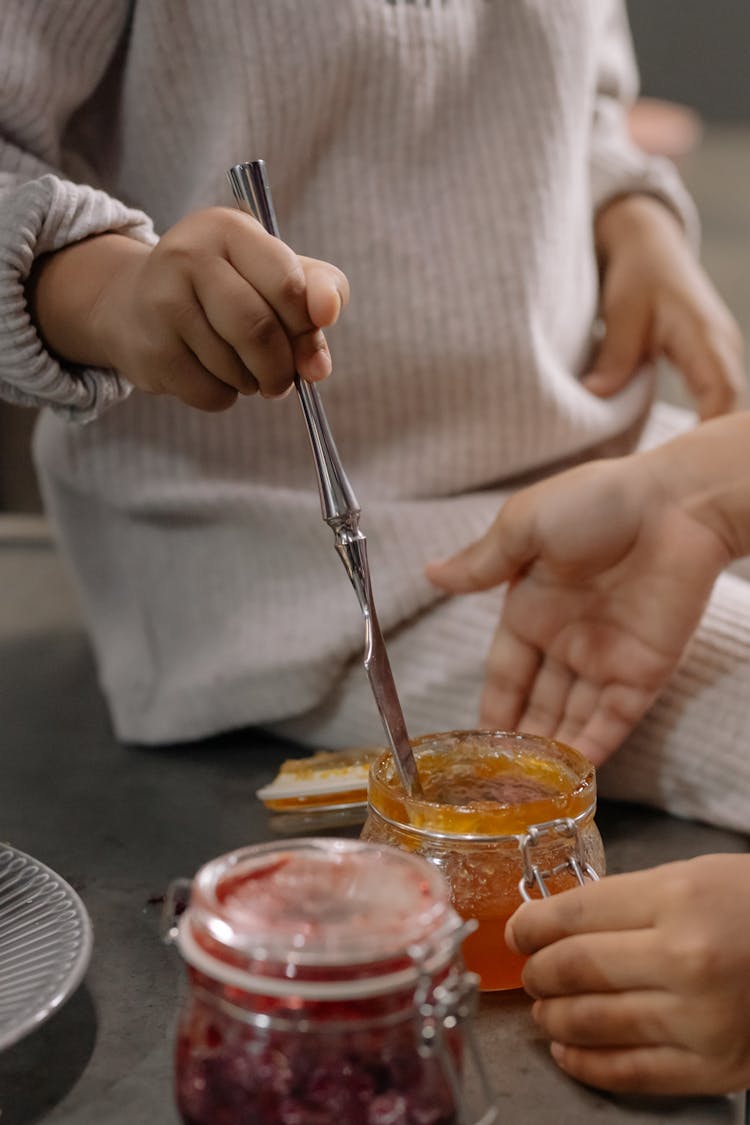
(316,904)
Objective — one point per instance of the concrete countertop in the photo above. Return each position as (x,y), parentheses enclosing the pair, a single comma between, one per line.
(119,823)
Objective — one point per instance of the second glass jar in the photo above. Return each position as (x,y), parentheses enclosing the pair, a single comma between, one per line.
(505,816)
(325,985)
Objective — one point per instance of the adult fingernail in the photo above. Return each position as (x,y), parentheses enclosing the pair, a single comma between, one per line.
(558,1053)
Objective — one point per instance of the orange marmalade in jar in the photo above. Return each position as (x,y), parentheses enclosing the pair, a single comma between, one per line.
(505,816)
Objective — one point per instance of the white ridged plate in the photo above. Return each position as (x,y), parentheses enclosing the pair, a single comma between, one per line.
(45,943)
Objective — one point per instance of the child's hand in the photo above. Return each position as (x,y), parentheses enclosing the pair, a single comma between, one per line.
(608,578)
(218,307)
(657,301)
(643,981)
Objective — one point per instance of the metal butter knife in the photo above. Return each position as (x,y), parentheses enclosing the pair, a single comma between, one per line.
(339,506)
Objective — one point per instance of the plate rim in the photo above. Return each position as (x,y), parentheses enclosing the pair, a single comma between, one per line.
(18,1031)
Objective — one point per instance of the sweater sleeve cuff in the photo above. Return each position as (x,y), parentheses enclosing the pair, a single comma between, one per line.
(38,217)
(625,170)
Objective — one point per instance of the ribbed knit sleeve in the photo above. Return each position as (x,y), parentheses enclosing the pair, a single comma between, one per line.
(52,57)
(618,166)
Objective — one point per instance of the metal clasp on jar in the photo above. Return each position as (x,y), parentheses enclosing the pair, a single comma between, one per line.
(575,862)
(176,902)
(444,1008)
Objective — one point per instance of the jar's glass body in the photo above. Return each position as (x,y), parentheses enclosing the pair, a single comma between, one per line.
(484,792)
(354,1064)
(304,990)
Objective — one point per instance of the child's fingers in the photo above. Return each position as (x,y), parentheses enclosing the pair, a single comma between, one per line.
(271,268)
(548,699)
(599,717)
(476,567)
(623,1019)
(496,557)
(312,359)
(242,317)
(638,1070)
(600,962)
(511,667)
(600,736)
(185,377)
(327,291)
(327,296)
(216,355)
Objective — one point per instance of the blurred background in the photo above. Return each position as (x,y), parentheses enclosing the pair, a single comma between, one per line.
(696,55)
(691,54)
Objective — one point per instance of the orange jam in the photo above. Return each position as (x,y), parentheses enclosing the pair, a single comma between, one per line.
(317,800)
(482,792)
(323,781)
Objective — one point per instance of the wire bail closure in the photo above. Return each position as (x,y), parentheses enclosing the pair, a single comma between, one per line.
(176,902)
(564,827)
(444,1008)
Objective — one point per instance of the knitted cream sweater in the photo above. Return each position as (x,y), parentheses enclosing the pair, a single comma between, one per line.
(448,155)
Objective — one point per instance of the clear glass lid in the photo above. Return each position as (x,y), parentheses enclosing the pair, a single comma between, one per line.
(320,902)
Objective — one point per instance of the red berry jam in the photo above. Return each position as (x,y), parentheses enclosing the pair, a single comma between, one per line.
(306,962)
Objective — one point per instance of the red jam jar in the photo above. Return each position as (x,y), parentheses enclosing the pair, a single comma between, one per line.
(326,987)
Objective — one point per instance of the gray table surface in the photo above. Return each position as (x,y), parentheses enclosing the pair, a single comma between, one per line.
(120,822)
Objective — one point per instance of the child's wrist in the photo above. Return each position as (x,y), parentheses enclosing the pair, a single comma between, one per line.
(65,291)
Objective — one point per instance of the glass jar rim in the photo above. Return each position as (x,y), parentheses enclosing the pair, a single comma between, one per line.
(287,945)
(484,820)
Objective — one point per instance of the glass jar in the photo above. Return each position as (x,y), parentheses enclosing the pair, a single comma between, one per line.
(505,816)
(326,987)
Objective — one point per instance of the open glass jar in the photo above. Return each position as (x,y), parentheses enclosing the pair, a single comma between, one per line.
(326,987)
(505,816)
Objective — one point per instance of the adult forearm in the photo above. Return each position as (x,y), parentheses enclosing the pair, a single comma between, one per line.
(64,289)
